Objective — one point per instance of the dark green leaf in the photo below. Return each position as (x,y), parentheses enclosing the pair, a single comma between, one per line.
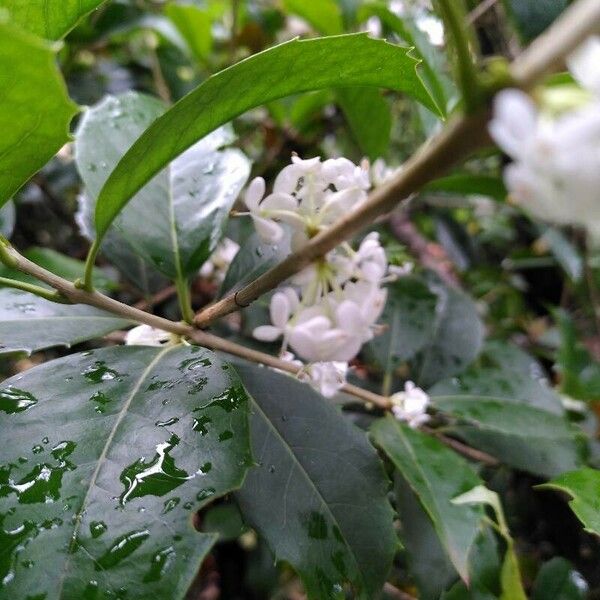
(252,260)
(467,184)
(369,118)
(225,520)
(29,323)
(50,19)
(504,371)
(290,68)
(457,337)
(176,221)
(558,580)
(34,125)
(532,17)
(410,318)
(522,436)
(584,488)
(324,16)
(105,457)
(319,494)
(436,475)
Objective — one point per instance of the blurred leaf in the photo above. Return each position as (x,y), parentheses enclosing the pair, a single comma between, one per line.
(225,520)
(176,221)
(34,125)
(521,436)
(324,16)
(369,118)
(436,474)
(532,17)
(318,495)
(50,19)
(29,323)
(467,184)
(566,254)
(584,488)
(510,577)
(106,456)
(579,372)
(409,315)
(503,371)
(290,68)
(252,260)
(194,25)
(7,219)
(457,337)
(558,580)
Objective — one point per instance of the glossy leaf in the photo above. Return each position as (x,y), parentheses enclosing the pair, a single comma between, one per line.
(50,19)
(176,221)
(521,436)
(457,337)
(105,457)
(29,323)
(318,496)
(436,475)
(369,119)
(290,68)
(503,371)
(34,126)
(558,580)
(410,318)
(584,488)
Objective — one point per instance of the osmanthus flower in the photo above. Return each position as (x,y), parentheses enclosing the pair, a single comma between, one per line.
(555,146)
(411,405)
(144,335)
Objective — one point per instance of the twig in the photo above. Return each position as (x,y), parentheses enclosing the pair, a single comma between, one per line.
(466,451)
(480,10)
(456,142)
(158,298)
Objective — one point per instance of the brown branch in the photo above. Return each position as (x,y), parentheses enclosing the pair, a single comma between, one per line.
(456,142)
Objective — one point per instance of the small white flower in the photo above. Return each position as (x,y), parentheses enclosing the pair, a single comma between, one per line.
(411,405)
(403,270)
(283,304)
(381,172)
(216,266)
(144,335)
(370,259)
(584,64)
(326,377)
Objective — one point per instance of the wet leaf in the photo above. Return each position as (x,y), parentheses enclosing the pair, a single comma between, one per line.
(29,323)
(34,126)
(290,68)
(437,475)
(584,488)
(521,436)
(50,19)
(105,457)
(176,221)
(319,494)
(558,580)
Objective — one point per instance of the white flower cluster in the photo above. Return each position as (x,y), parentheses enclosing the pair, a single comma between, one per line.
(330,309)
(555,147)
(411,405)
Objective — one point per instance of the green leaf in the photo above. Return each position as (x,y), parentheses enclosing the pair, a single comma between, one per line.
(105,457)
(503,371)
(34,125)
(252,260)
(369,118)
(194,25)
(436,475)
(558,580)
(565,252)
(50,19)
(176,221)
(324,16)
(225,520)
(318,496)
(521,436)
(290,68)
(7,219)
(510,577)
(457,337)
(467,184)
(532,17)
(410,317)
(584,488)
(29,323)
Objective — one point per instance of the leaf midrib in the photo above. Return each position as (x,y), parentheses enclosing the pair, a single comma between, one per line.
(102,457)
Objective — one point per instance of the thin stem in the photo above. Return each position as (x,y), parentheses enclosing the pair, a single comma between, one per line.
(88,276)
(185,299)
(456,142)
(466,71)
(51,295)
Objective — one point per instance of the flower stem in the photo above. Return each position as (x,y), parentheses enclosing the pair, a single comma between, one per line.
(185,299)
(51,295)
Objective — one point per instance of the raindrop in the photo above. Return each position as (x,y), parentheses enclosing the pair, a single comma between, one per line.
(205,493)
(99,372)
(159,564)
(14,400)
(225,435)
(205,468)
(122,547)
(200,423)
(167,423)
(169,505)
(101,400)
(191,364)
(97,528)
(230,399)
